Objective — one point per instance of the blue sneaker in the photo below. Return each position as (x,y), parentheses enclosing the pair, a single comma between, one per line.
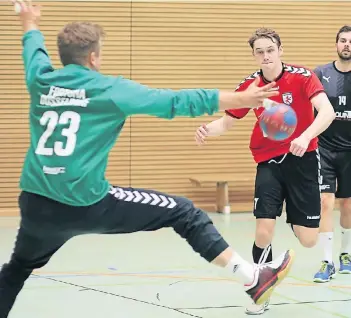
(345,263)
(326,273)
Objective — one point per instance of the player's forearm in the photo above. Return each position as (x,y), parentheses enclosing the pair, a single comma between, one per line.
(322,121)
(230,100)
(237,100)
(197,102)
(217,127)
(29,26)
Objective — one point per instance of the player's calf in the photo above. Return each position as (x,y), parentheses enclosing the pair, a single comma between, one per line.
(264,232)
(345,222)
(327,216)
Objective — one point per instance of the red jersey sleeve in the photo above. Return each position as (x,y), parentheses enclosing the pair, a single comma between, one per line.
(312,86)
(239,113)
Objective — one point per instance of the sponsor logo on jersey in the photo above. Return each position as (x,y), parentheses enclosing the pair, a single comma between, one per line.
(325,187)
(345,115)
(59,96)
(315,217)
(326,78)
(54,170)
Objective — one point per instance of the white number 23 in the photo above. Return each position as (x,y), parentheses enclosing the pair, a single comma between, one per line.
(51,119)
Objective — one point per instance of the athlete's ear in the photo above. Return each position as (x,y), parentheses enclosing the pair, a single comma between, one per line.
(281,51)
(94,61)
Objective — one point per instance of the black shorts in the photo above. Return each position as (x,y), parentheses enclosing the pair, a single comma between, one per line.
(122,210)
(46,225)
(336,172)
(293,179)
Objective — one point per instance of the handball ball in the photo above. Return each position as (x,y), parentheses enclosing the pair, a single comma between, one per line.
(278,122)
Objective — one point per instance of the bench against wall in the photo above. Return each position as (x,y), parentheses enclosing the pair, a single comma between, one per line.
(222,188)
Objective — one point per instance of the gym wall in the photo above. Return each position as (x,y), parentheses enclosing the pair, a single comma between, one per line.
(167,45)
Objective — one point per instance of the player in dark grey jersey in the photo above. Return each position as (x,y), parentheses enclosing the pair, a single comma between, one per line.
(335,151)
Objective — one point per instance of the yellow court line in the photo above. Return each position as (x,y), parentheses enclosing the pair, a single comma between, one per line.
(335,314)
(333,288)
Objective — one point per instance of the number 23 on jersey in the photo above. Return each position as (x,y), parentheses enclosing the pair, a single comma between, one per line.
(51,119)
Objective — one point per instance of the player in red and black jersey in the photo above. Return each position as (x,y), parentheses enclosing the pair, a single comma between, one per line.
(286,170)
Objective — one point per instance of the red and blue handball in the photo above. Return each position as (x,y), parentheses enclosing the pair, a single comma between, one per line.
(278,122)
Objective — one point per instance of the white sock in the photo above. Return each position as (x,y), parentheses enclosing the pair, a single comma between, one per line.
(326,242)
(345,241)
(242,269)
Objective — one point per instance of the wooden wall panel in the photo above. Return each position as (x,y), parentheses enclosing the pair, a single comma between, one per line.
(172,45)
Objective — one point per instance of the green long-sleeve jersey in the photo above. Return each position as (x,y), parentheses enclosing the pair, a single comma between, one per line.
(76,115)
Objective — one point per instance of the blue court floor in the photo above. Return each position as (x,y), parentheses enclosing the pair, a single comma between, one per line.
(156,275)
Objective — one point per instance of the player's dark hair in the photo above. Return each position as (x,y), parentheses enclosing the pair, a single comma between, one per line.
(345,28)
(264,33)
(77,41)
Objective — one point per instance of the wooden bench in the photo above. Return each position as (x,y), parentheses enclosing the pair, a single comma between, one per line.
(221,180)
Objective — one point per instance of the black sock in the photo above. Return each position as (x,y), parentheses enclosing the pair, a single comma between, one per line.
(257,253)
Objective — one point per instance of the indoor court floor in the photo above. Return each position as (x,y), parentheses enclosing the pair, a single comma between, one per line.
(156,275)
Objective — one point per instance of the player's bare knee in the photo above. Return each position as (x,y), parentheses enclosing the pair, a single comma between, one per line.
(264,232)
(327,202)
(308,238)
(345,205)
(263,239)
(308,242)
